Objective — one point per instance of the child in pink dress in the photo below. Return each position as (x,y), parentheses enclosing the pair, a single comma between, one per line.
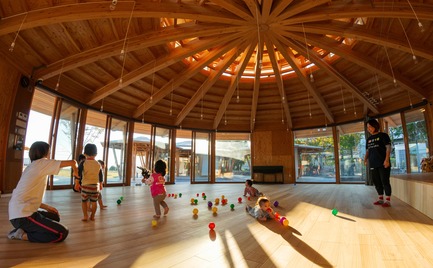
(156,182)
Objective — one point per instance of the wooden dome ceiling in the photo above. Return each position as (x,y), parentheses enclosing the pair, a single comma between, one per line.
(222,65)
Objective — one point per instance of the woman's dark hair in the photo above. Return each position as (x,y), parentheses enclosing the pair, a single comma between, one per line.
(90,149)
(374,124)
(38,150)
(81,157)
(160,167)
(249,182)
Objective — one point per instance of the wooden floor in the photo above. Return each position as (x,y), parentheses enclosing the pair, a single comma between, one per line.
(360,235)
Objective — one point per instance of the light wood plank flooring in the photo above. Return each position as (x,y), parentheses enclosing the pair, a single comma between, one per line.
(360,235)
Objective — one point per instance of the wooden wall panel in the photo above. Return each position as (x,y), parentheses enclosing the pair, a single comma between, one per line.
(9,78)
(273,148)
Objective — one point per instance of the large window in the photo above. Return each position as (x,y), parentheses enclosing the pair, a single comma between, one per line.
(417,138)
(38,128)
(161,148)
(351,152)
(65,140)
(233,157)
(183,155)
(398,151)
(314,152)
(141,152)
(116,151)
(201,156)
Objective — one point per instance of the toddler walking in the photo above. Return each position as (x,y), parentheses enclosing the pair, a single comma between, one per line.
(156,182)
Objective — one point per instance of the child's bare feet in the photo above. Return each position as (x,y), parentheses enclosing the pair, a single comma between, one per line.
(156,216)
(92,216)
(103,207)
(166,210)
(85,219)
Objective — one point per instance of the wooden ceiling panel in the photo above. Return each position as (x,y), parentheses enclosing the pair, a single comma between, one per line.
(79,44)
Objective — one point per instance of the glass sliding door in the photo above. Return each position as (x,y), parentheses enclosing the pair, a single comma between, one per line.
(65,138)
(398,150)
(201,157)
(417,138)
(116,151)
(233,157)
(314,152)
(161,147)
(39,124)
(183,155)
(351,152)
(141,152)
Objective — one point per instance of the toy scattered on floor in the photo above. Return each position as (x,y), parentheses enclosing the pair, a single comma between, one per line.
(211,225)
(154,223)
(240,199)
(192,201)
(195,211)
(198,195)
(284,221)
(209,204)
(175,196)
(204,197)
(232,206)
(203,194)
(335,212)
(214,209)
(119,201)
(180,194)
(276,204)
(217,201)
(121,198)
(224,202)
(222,197)
(195,201)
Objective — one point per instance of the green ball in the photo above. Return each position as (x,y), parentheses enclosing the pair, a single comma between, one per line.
(121,198)
(334,211)
(119,201)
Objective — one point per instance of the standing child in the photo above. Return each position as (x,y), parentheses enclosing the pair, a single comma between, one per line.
(250,190)
(157,188)
(101,183)
(90,174)
(30,222)
(262,210)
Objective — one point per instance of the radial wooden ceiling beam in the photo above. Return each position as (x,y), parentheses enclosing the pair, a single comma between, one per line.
(323,65)
(235,8)
(162,36)
(193,69)
(359,33)
(246,55)
(256,85)
(363,10)
(280,6)
(344,51)
(177,54)
(278,80)
(214,75)
(99,10)
(283,46)
(299,8)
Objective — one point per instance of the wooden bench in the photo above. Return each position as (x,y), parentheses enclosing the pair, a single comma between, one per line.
(274,170)
(414,189)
